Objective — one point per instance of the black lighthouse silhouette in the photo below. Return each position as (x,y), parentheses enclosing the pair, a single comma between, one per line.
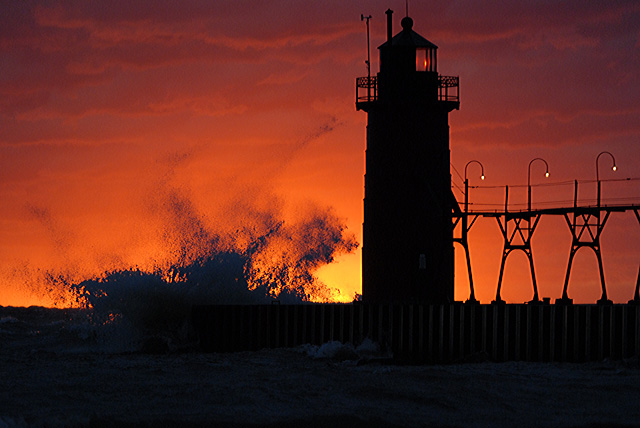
(408,234)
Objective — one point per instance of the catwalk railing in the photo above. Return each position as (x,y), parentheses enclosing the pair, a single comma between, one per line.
(586,218)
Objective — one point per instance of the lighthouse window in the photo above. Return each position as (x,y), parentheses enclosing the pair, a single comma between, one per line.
(422,60)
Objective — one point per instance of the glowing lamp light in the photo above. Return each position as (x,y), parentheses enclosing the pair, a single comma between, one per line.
(482,177)
(613,162)
(546,174)
(421,60)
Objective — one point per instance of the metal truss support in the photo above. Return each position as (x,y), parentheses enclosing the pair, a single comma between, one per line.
(463,220)
(517,231)
(636,295)
(586,228)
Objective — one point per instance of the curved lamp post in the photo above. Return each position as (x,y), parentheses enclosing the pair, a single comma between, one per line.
(613,168)
(546,174)
(466,182)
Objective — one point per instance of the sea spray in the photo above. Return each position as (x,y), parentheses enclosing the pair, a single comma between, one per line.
(250,251)
(278,265)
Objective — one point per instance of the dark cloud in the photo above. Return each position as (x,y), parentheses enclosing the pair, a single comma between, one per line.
(66,60)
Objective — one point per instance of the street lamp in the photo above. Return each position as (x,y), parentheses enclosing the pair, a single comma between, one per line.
(613,168)
(465,227)
(546,174)
(466,182)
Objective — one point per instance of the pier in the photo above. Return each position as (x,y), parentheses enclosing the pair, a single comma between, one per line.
(431,333)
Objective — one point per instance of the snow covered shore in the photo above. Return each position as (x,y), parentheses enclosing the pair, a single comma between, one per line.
(293,387)
(58,368)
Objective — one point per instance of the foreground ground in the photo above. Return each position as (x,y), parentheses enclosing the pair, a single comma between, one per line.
(295,388)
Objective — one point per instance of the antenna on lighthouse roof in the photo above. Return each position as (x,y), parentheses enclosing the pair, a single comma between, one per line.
(406,4)
(368,61)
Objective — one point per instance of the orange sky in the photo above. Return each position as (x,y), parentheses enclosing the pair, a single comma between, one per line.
(108,110)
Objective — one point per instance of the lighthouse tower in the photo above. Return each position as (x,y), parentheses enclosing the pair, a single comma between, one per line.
(408,203)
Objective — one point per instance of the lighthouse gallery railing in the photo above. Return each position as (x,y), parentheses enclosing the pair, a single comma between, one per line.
(367,89)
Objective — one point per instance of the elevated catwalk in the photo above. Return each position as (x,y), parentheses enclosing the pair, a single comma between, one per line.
(431,333)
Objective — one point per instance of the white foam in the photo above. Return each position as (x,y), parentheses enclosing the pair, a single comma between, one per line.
(8,320)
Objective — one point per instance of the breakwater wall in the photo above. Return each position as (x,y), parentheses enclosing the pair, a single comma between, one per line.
(430,333)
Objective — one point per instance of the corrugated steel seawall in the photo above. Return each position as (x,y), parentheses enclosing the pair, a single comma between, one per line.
(430,333)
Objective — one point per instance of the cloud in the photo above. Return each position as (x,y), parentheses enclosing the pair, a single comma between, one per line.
(72,60)
(539,128)
(79,60)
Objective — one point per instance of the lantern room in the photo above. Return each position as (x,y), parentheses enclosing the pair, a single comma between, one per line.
(408,69)
(407,51)
(426,59)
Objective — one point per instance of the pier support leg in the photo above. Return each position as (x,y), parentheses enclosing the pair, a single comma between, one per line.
(565,295)
(603,299)
(463,240)
(636,296)
(472,293)
(517,232)
(504,260)
(536,298)
(586,228)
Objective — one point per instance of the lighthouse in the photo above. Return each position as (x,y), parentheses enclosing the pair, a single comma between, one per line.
(407,253)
